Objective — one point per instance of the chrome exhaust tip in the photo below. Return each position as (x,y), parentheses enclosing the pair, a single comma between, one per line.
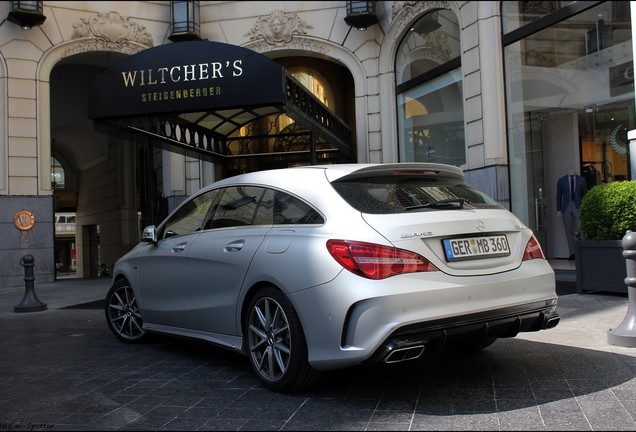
(404,354)
(551,322)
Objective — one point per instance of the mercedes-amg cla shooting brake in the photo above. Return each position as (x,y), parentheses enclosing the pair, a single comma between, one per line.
(323,267)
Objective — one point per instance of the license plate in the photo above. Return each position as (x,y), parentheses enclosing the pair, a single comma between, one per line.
(466,248)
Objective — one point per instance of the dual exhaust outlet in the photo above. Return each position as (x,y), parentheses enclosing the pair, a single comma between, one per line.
(412,352)
(404,354)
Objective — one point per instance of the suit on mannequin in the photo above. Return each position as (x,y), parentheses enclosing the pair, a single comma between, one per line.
(570,191)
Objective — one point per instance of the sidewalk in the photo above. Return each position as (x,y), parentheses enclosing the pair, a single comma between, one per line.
(57,295)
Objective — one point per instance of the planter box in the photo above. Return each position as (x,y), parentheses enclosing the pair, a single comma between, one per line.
(600,266)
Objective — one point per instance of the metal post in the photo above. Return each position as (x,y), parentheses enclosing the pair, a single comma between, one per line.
(625,333)
(30,302)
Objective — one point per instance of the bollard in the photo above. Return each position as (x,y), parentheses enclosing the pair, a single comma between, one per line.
(30,302)
(625,333)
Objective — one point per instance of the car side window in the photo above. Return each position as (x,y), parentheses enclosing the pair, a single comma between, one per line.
(190,216)
(291,210)
(236,207)
(264,212)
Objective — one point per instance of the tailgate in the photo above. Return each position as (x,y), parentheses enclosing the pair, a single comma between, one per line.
(458,242)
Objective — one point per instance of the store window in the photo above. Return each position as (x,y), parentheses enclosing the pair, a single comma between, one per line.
(521,13)
(429,91)
(570,102)
(57,175)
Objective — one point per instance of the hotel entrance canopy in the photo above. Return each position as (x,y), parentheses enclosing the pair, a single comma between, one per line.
(201,95)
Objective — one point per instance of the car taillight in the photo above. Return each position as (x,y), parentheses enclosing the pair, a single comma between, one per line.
(376,261)
(533,250)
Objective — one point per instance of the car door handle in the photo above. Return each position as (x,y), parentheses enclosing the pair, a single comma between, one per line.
(234,246)
(179,248)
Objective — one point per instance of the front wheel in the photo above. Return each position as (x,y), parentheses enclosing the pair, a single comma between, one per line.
(122,313)
(276,343)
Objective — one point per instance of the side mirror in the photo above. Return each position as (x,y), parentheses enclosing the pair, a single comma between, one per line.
(149,234)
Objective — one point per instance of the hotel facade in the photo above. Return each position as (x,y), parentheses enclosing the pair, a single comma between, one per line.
(112,112)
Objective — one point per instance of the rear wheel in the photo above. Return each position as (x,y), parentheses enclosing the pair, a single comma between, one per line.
(276,343)
(122,313)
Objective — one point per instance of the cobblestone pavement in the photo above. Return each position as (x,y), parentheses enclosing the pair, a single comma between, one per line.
(62,369)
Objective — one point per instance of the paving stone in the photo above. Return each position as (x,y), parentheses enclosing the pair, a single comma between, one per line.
(62,369)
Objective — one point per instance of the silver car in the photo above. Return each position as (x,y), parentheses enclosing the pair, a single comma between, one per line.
(323,267)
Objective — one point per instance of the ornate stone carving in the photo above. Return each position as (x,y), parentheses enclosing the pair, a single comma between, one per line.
(109,32)
(434,45)
(410,9)
(304,44)
(278,28)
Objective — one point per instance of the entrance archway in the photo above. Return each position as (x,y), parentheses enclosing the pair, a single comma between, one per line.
(201,98)
(120,163)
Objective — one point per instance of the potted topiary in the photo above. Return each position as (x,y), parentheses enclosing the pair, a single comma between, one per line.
(607,211)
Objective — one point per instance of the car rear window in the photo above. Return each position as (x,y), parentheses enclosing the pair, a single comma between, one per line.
(405,194)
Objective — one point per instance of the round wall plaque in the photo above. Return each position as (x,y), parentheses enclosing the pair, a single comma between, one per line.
(23,220)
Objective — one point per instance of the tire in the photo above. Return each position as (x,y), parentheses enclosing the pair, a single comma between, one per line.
(276,344)
(122,313)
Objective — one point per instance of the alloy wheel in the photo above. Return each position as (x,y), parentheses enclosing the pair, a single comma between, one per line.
(270,341)
(123,314)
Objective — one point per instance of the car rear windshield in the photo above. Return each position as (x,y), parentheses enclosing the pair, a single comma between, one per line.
(405,194)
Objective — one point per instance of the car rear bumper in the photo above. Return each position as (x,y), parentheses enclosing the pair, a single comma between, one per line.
(348,321)
(411,341)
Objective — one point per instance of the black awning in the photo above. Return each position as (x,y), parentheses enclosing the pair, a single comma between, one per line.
(198,94)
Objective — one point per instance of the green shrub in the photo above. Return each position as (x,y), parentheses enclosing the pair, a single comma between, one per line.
(608,210)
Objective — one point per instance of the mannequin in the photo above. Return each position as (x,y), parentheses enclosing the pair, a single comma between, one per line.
(570,190)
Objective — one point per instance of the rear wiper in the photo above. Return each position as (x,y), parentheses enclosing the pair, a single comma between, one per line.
(450,204)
